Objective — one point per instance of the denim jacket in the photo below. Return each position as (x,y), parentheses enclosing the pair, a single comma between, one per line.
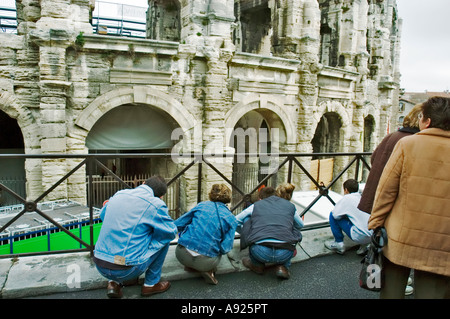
(135,226)
(202,232)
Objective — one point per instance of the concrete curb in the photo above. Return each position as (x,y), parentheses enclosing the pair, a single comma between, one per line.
(40,275)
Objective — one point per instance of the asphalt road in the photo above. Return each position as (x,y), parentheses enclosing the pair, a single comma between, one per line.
(327,277)
(322,286)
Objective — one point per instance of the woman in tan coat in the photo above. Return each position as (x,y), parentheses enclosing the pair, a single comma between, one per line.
(412,202)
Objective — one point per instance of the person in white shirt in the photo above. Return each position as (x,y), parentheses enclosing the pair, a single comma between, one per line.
(347,218)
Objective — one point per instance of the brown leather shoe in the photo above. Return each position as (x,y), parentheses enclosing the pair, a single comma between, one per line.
(158,288)
(248,263)
(282,272)
(114,290)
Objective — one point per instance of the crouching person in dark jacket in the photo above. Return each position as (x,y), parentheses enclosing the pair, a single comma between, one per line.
(271,230)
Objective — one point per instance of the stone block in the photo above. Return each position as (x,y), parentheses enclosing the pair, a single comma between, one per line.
(53,116)
(54,130)
(53,145)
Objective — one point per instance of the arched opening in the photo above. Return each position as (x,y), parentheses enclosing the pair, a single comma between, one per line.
(132,128)
(254,26)
(164,20)
(12,171)
(369,130)
(327,136)
(368,142)
(261,132)
(326,140)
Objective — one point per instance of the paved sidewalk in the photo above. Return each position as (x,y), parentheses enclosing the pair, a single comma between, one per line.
(41,275)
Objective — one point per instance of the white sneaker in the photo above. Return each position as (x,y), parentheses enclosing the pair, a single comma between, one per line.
(409,281)
(409,290)
(334,246)
(362,250)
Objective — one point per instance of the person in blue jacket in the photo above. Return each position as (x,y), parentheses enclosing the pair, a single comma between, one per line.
(206,233)
(135,237)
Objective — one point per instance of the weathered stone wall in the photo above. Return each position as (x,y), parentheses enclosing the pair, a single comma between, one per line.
(211,73)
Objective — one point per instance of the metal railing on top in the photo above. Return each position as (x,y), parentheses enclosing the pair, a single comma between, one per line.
(92,160)
(108,19)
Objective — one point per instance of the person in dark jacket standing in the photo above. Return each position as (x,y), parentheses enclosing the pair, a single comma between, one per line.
(382,153)
(272,232)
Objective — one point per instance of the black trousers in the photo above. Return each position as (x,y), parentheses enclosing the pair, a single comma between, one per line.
(427,285)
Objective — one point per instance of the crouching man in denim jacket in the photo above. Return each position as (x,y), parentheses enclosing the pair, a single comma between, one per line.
(135,237)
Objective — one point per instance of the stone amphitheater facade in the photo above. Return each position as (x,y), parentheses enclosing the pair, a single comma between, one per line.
(320,75)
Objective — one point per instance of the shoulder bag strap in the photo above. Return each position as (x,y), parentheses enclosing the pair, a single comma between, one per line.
(220,221)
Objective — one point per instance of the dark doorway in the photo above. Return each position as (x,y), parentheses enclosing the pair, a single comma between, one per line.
(327,136)
(12,171)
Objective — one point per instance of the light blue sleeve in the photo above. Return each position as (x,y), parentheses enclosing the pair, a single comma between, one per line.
(164,228)
(243,217)
(298,221)
(102,212)
(184,220)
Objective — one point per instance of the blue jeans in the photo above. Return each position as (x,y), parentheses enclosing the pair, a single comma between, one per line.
(340,225)
(152,269)
(260,255)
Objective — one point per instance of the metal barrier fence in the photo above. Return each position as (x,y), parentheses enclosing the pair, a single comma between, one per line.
(45,232)
(108,19)
(17,184)
(90,161)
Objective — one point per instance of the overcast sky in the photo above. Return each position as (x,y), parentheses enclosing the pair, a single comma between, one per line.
(425,46)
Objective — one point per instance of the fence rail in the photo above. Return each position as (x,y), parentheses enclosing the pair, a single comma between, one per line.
(105,186)
(15,183)
(113,23)
(90,161)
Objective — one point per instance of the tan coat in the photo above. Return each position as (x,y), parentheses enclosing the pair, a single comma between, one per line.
(413,202)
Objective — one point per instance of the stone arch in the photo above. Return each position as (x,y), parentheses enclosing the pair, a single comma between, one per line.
(131,95)
(260,102)
(331,106)
(372,112)
(31,133)
(25,119)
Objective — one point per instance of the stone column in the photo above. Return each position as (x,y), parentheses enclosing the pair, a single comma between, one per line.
(206,26)
(217,98)
(308,92)
(59,24)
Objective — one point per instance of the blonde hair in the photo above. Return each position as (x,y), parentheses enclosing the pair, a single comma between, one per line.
(285,190)
(412,119)
(220,193)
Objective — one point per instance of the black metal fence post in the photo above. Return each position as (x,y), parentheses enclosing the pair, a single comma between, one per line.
(90,170)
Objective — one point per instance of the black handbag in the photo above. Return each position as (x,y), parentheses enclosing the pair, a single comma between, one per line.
(371,275)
